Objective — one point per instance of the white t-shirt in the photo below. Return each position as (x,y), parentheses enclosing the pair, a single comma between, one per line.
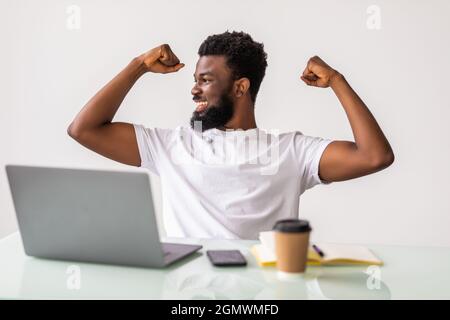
(229,184)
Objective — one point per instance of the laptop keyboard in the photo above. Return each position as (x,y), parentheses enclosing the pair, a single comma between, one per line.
(172,248)
(166,249)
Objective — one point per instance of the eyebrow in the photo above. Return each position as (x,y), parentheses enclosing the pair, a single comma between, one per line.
(208,73)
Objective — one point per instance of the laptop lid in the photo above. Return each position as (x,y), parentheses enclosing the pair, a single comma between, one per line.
(86,215)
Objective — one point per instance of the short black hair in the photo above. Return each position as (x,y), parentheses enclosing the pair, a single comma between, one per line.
(245,57)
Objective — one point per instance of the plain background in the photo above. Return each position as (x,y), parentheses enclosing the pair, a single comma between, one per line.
(48,73)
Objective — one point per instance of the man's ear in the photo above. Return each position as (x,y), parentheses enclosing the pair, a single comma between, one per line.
(241,87)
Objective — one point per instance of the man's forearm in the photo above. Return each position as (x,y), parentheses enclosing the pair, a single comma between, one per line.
(101,108)
(369,137)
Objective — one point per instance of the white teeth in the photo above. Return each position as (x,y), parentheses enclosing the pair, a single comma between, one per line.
(201,105)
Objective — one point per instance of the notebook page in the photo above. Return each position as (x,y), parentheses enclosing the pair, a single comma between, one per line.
(347,252)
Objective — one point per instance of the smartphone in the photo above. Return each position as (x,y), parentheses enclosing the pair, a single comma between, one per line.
(226,258)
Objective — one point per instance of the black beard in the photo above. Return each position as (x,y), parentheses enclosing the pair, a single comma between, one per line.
(216,115)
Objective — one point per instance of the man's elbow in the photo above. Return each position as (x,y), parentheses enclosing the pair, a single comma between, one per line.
(383,161)
(73,132)
(70,130)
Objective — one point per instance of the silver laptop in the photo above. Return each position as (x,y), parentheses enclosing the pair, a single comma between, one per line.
(90,216)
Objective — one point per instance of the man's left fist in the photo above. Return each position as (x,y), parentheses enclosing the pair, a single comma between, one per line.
(319,74)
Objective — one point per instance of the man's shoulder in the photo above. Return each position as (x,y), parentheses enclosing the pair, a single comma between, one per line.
(285,135)
(180,128)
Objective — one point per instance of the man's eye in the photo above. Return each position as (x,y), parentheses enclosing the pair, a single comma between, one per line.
(202,80)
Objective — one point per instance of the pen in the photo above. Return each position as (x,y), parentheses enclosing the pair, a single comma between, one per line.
(320,252)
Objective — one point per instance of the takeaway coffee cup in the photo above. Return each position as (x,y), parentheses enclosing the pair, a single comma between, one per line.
(291,245)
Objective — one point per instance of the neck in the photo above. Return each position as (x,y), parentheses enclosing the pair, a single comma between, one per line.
(243,119)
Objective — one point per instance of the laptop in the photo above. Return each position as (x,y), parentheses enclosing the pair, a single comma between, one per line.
(95,216)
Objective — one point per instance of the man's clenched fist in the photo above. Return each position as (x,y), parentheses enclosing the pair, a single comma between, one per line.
(161,60)
(319,74)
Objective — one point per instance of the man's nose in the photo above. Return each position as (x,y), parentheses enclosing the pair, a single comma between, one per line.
(195,90)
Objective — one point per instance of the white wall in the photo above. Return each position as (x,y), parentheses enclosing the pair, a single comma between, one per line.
(401,71)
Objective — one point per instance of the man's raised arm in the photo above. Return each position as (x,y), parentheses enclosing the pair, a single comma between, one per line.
(371,151)
(93,126)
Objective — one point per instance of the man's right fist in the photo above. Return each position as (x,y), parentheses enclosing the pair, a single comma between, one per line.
(161,60)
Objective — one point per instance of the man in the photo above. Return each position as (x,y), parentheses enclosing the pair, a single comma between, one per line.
(207,193)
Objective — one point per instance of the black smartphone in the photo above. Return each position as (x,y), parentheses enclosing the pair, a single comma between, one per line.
(226,258)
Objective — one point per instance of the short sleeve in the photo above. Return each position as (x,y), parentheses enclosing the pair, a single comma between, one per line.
(152,143)
(308,151)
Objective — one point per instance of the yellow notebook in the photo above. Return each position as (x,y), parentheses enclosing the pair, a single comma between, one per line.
(334,254)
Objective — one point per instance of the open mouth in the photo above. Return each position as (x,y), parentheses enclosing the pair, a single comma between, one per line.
(201,106)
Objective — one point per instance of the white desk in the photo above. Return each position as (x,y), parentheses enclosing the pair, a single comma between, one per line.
(409,273)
